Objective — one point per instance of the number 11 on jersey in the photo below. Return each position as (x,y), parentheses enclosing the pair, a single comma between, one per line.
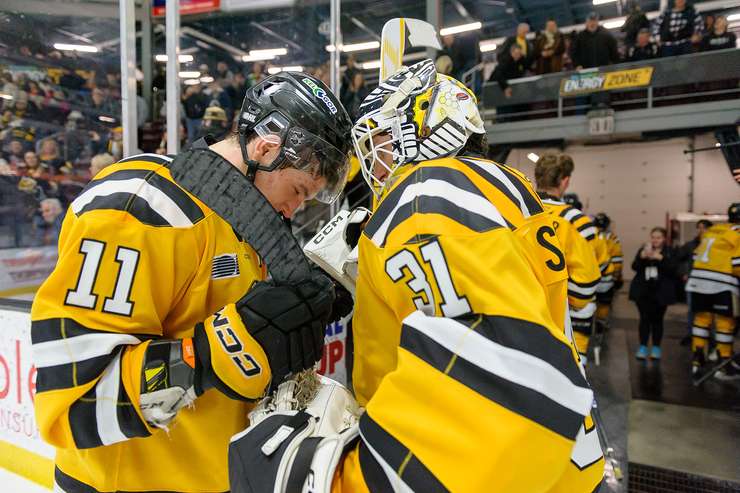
(452,304)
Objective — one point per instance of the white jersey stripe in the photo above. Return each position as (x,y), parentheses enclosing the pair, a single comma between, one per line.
(510,364)
(157,199)
(78,348)
(438,188)
(106,404)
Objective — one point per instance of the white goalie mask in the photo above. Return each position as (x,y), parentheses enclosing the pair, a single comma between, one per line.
(414,115)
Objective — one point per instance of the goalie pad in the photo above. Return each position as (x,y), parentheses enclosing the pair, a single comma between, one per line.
(334,248)
(296,438)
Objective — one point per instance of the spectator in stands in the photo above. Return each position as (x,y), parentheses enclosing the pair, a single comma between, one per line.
(636,21)
(6,169)
(215,122)
(653,289)
(55,108)
(99,104)
(509,67)
(216,92)
(52,213)
(223,73)
(32,166)
(50,156)
(521,40)
(594,46)
(240,85)
(678,28)
(548,49)
(567,57)
(35,94)
(23,108)
(257,73)
(355,94)
(71,80)
(14,153)
(718,38)
(708,23)
(195,103)
(644,49)
(100,161)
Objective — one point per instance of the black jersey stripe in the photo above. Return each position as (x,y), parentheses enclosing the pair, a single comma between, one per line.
(71,374)
(84,422)
(438,205)
(128,202)
(501,187)
(372,472)
(421,174)
(179,196)
(128,419)
(518,399)
(415,474)
(530,200)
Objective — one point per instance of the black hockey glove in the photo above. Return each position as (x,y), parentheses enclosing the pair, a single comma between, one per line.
(289,321)
(344,303)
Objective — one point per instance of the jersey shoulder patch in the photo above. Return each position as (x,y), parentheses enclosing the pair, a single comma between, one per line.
(152,198)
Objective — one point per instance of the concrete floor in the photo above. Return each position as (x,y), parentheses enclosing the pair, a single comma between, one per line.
(651,413)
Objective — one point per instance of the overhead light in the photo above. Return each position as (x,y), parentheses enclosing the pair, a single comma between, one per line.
(191,82)
(717,144)
(182,58)
(613,24)
(487,45)
(206,79)
(69,47)
(272,52)
(250,58)
(106,119)
(291,68)
(733,17)
(368,45)
(533,157)
(460,29)
(189,74)
(370,65)
(5,96)
(602,2)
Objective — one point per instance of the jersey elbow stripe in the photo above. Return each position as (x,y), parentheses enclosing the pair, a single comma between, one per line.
(388,465)
(95,419)
(530,373)
(66,354)
(735,261)
(151,198)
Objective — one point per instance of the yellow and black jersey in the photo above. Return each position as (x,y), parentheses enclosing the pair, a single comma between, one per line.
(451,238)
(579,220)
(580,259)
(609,254)
(716,266)
(139,259)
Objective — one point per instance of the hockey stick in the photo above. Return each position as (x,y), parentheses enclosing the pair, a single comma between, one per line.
(398,35)
(709,373)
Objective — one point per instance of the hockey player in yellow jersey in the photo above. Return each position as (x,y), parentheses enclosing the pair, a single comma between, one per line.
(157,328)
(611,274)
(460,314)
(552,175)
(714,287)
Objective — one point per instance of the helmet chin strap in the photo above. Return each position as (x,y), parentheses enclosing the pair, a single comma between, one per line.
(252,165)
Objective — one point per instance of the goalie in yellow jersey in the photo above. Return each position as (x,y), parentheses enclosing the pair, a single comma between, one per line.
(461,361)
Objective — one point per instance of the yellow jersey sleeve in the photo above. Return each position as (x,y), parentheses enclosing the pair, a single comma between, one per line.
(616,258)
(583,271)
(508,402)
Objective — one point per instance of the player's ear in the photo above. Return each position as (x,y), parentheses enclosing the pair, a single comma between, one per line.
(264,147)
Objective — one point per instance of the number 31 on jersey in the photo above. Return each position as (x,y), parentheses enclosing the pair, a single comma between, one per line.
(406,264)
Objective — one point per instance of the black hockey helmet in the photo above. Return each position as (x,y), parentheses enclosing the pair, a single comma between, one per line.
(733,213)
(602,221)
(299,112)
(572,200)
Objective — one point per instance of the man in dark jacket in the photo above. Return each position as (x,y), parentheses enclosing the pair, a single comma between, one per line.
(594,46)
(520,39)
(644,49)
(636,21)
(678,28)
(510,67)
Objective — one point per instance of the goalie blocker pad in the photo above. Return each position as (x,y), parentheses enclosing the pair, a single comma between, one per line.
(225,190)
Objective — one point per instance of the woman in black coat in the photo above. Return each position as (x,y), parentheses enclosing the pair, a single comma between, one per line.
(653,289)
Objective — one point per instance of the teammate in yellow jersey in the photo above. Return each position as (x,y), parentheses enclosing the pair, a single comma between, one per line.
(552,174)
(611,274)
(461,357)
(714,287)
(140,385)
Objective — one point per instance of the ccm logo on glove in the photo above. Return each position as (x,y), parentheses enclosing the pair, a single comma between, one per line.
(232,345)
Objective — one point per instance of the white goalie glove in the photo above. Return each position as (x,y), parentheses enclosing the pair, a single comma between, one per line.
(334,248)
(296,438)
